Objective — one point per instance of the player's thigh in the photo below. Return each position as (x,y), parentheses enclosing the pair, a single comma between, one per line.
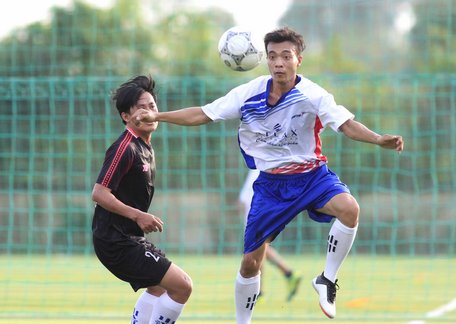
(344,207)
(177,281)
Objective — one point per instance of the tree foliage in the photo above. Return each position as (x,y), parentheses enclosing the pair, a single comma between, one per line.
(341,37)
(432,37)
(388,36)
(81,40)
(187,42)
(85,40)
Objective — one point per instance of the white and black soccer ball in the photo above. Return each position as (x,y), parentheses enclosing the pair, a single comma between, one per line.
(240,49)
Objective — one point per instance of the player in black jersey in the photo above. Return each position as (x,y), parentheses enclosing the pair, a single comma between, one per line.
(123,193)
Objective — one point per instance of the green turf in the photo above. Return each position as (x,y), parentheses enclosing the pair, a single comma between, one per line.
(77,289)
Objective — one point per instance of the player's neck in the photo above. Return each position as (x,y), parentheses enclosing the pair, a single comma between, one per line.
(278,89)
(146,138)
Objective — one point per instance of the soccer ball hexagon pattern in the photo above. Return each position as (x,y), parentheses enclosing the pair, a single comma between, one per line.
(240,49)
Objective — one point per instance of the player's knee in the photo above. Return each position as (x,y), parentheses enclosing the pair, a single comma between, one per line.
(351,214)
(182,293)
(187,287)
(250,266)
(180,288)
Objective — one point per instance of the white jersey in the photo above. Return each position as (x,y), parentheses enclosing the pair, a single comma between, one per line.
(283,136)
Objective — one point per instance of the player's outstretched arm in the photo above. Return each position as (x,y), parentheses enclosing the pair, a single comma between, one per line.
(192,116)
(359,132)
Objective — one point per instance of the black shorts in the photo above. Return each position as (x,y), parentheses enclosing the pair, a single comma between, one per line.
(134,260)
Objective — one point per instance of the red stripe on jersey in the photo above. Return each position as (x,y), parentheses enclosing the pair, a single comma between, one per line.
(115,162)
(317,128)
(132,132)
(294,168)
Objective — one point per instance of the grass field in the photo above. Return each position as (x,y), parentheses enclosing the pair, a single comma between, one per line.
(77,289)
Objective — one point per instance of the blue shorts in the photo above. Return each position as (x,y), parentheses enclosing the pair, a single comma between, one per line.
(278,198)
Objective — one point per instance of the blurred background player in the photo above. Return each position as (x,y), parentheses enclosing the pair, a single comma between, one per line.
(293,278)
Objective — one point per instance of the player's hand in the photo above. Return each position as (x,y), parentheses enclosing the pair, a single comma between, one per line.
(143,115)
(149,223)
(393,142)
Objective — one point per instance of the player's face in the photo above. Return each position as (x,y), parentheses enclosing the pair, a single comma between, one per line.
(283,62)
(145,102)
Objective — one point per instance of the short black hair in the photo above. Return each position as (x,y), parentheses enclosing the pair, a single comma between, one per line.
(127,95)
(285,34)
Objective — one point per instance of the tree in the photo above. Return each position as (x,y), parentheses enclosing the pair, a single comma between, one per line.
(187,42)
(359,36)
(432,37)
(84,40)
(81,40)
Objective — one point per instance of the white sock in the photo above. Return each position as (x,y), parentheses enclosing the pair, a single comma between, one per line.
(246,294)
(143,308)
(340,241)
(166,310)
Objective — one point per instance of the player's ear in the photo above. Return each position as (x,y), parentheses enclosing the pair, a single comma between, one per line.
(125,116)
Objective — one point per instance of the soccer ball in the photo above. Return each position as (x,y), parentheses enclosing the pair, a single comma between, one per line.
(240,49)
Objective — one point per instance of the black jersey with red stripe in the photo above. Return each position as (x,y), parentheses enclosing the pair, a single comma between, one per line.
(129,171)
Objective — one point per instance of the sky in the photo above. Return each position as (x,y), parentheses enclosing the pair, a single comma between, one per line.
(18,13)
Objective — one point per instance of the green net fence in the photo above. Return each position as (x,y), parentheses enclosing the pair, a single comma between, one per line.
(57,119)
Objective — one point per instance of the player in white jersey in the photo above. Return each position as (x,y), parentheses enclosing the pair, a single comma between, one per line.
(281,118)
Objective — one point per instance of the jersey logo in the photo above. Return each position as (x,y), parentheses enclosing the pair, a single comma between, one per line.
(278,137)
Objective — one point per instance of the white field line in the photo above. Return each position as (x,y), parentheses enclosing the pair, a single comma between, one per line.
(437,312)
